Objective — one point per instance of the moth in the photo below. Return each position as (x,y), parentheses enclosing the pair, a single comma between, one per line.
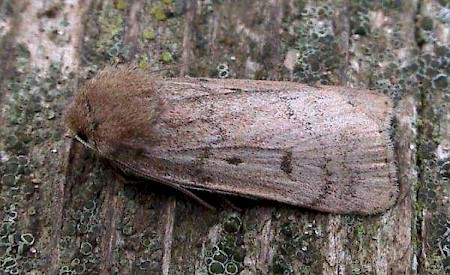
(323,148)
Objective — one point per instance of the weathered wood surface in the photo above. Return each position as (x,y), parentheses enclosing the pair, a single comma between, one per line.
(64,211)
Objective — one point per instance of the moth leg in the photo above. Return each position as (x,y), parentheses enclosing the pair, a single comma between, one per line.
(228,203)
(175,186)
(189,194)
(120,177)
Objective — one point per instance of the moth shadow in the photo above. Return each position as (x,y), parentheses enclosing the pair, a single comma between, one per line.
(219,201)
(135,186)
(157,194)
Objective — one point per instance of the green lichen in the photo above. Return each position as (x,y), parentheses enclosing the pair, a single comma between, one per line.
(27,238)
(26,128)
(77,266)
(12,166)
(444,171)
(167,57)
(227,255)
(148,35)
(9,180)
(440,81)
(232,225)
(216,267)
(12,143)
(223,70)
(280,266)
(105,30)
(159,13)
(360,23)
(391,4)
(121,4)
(128,230)
(86,248)
(70,228)
(318,60)
(295,252)
(427,23)
(143,63)
(433,74)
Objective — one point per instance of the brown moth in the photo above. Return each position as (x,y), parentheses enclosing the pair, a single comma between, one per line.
(324,148)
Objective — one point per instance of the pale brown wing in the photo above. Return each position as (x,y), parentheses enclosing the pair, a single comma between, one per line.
(322,148)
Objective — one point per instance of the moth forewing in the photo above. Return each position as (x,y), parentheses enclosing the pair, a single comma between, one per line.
(324,148)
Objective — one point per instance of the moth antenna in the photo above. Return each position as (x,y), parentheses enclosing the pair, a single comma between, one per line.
(187,193)
(87,145)
(165,182)
(137,172)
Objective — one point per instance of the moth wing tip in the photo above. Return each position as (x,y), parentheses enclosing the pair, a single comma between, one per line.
(383,204)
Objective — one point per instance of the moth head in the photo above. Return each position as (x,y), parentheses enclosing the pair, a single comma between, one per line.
(115,112)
